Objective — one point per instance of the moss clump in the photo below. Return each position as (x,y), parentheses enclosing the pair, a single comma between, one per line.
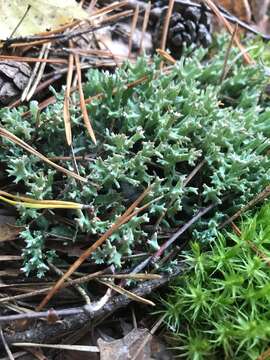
(220,308)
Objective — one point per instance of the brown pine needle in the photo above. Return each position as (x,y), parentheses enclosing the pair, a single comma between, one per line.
(225,22)
(166,56)
(166,27)
(128,214)
(31,59)
(14,139)
(129,294)
(67,98)
(82,100)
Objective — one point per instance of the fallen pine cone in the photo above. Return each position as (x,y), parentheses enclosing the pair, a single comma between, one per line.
(13,79)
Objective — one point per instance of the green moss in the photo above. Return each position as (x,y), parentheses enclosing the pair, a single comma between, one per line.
(224,298)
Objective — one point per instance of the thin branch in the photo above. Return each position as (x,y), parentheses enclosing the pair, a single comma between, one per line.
(44,332)
(258,198)
(9,353)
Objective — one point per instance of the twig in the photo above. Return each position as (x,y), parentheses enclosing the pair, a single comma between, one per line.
(44,332)
(39,39)
(128,293)
(80,280)
(155,257)
(32,59)
(258,198)
(92,6)
(9,353)
(184,228)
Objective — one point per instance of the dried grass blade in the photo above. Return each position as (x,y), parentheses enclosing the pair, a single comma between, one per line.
(82,100)
(122,219)
(14,139)
(127,293)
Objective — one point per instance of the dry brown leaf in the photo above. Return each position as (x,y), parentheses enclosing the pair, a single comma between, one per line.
(246,9)
(126,347)
(9,232)
(42,16)
(240,8)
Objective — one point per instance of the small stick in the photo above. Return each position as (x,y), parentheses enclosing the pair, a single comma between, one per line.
(154,258)
(31,59)
(9,353)
(175,236)
(92,6)
(258,198)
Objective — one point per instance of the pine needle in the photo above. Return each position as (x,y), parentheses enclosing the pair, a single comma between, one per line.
(14,139)
(129,294)
(37,204)
(67,98)
(82,100)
